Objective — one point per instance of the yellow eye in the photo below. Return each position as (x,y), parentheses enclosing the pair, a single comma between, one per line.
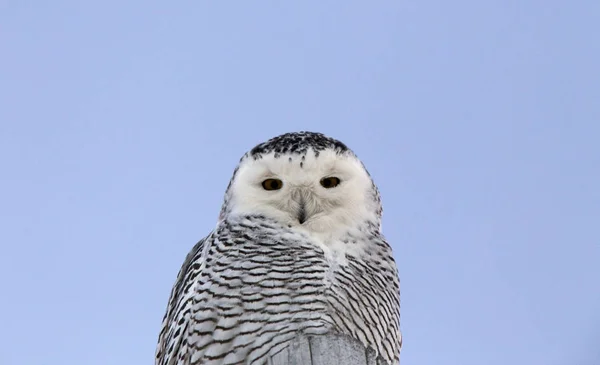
(330,182)
(272,184)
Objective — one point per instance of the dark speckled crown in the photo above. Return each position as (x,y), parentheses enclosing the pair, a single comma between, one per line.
(298,143)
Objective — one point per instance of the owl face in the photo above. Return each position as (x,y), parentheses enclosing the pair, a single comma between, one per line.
(317,187)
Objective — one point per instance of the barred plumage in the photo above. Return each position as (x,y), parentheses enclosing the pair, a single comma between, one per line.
(264,276)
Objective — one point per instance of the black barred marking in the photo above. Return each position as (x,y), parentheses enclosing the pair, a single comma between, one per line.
(245,300)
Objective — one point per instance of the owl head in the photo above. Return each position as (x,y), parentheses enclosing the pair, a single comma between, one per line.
(304,180)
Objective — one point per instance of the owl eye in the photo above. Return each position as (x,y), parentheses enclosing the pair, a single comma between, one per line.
(330,182)
(272,184)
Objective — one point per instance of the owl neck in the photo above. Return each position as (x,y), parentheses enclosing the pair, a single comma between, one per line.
(346,233)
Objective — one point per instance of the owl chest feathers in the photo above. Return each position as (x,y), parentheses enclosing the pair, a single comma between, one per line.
(261,255)
(258,285)
(289,280)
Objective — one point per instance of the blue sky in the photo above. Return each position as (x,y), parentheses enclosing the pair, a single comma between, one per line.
(121,123)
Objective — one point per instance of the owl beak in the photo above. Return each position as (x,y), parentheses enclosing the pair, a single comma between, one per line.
(302,212)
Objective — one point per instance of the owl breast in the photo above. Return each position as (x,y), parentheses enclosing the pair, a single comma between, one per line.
(259,285)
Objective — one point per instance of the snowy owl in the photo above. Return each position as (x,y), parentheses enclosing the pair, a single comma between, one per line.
(297,250)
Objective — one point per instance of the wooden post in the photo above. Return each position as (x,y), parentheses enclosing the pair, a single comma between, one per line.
(326,350)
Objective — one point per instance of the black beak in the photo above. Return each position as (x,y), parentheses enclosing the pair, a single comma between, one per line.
(302,213)
(299,196)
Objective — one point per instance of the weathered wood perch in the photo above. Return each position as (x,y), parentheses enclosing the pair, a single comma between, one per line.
(326,350)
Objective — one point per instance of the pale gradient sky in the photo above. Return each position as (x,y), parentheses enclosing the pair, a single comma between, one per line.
(121,123)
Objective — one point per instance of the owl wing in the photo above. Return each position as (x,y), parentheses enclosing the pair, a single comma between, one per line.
(172,340)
